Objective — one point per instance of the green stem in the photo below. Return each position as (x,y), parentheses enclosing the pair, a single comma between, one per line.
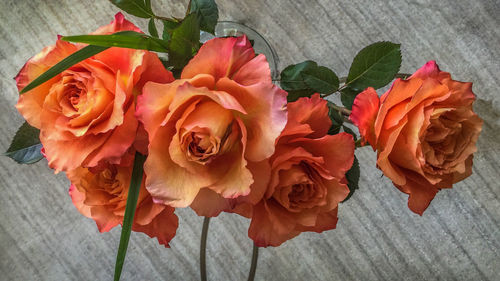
(344,80)
(203,249)
(253,267)
(402,75)
(359,144)
(340,109)
(166,19)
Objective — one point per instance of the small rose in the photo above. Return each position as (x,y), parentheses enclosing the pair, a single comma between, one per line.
(424,132)
(101,193)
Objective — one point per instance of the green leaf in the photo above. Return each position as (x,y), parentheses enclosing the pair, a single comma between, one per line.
(295,95)
(123,39)
(66,63)
(321,79)
(291,77)
(133,195)
(25,147)
(185,41)
(152,28)
(374,66)
(347,96)
(350,131)
(138,8)
(147,4)
(208,12)
(352,177)
(168,29)
(306,78)
(337,119)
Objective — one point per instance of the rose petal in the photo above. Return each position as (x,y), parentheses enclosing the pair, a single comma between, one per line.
(30,103)
(270,226)
(406,88)
(364,113)
(233,180)
(163,226)
(312,111)
(267,118)
(255,71)
(325,221)
(337,151)
(118,24)
(430,69)
(118,142)
(209,203)
(168,182)
(221,57)
(77,198)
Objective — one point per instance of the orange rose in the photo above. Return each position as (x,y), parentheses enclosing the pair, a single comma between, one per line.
(424,131)
(101,194)
(206,128)
(86,113)
(307,177)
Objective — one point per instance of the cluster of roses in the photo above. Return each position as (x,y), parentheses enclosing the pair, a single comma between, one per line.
(223,138)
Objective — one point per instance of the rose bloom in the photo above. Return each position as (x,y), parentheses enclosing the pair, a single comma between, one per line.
(307,177)
(424,131)
(207,128)
(86,113)
(101,193)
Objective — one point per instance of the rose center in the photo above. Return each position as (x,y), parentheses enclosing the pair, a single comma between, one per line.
(201,148)
(308,192)
(442,140)
(301,193)
(109,182)
(73,93)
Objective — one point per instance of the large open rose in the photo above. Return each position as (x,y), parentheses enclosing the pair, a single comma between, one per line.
(101,193)
(307,177)
(86,113)
(424,131)
(206,128)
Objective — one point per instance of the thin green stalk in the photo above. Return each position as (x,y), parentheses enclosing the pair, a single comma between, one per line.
(342,110)
(133,194)
(203,249)
(344,80)
(253,266)
(359,143)
(402,75)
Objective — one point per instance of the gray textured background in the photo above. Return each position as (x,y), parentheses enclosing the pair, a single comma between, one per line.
(43,237)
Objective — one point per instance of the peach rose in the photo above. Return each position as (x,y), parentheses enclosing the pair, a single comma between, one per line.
(307,177)
(101,194)
(206,128)
(86,113)
(424,131)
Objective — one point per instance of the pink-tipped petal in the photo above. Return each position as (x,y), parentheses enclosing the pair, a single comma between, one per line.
(364,113)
